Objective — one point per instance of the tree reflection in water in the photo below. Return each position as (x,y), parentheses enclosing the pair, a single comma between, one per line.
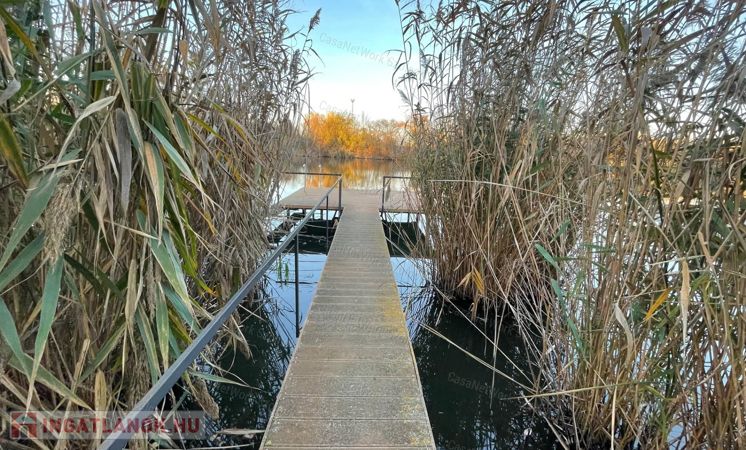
(271,339)
(470,408)
(269,328)
(357,173)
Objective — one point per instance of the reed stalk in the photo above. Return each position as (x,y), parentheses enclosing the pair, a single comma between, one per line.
(582,166)
(141,144)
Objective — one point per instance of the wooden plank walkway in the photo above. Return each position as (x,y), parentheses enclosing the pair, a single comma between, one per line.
(353,379)
(395,201)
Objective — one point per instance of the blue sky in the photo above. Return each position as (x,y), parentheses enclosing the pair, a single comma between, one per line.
(352,40)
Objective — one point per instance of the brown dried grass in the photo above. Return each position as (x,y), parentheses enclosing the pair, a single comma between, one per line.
(583,167)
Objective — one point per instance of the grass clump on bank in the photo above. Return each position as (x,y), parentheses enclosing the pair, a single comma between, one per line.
(141,143)
(583,168)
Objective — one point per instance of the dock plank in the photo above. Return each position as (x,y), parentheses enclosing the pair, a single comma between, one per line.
(352,381)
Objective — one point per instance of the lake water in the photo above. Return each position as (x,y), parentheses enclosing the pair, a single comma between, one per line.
(356,173)
(470,407)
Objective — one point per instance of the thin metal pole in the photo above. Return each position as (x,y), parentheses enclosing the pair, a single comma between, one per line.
(383,194)
(339,203)
(327,223)
(297,289)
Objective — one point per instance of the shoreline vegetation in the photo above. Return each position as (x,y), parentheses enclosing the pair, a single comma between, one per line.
(581,167)
(583,173)
(141,145)
(341,135)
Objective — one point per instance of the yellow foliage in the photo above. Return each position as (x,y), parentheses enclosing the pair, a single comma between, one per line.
(340,133)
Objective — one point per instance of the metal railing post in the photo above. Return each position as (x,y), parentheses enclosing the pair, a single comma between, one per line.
(327,223)
(297,287)
(383,195)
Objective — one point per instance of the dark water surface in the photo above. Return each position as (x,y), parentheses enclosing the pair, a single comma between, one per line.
(469,406)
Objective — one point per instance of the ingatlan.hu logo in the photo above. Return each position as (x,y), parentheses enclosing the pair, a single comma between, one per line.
(95,425)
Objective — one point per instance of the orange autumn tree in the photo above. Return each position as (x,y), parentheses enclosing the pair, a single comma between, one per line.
(339,134)
(331,132)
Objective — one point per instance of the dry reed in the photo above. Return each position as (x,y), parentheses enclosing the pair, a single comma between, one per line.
(583,167)
(141,144)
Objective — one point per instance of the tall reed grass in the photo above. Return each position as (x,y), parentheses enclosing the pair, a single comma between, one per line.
(583,168)
(141,143)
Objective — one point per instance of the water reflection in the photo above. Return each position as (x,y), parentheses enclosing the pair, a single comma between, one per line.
(250,408)
(470,406)
(403,233)
(269,327)
(356,173)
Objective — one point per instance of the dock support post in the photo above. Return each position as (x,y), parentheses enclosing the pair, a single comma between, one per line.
(297,288)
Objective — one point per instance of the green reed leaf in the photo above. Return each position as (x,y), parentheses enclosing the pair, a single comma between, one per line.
(146,333)
(183,308)
(545,254)
(36,202)
(49,299)
(162,327)
(9,332)
(174,155)
(21,261)
(104,351)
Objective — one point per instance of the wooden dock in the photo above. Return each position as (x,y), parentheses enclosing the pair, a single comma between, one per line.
(352,381)
(394,201)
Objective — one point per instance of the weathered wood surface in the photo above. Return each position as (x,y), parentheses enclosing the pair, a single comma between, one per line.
(395,201)
(353,379)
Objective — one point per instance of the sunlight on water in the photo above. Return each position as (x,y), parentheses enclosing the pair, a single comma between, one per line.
(356,174)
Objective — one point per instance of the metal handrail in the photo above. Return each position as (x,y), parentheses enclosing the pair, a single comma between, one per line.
(339,180)
(383,191)
(142,410)
(314,173)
